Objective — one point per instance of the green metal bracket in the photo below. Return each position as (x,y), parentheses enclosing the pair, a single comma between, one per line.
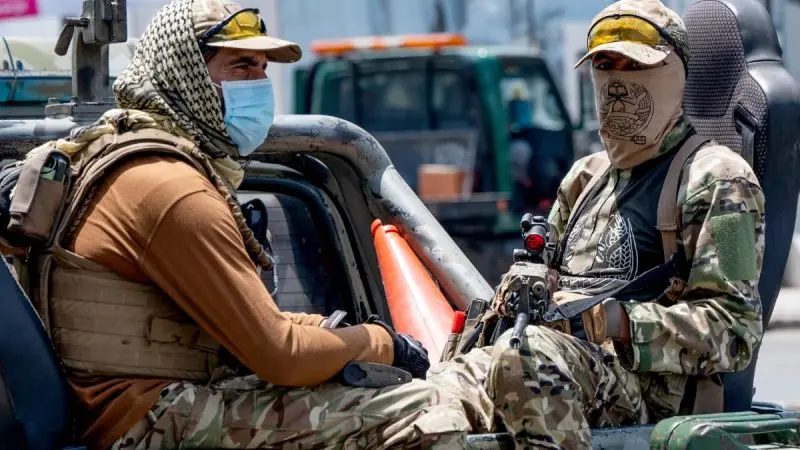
(729,431)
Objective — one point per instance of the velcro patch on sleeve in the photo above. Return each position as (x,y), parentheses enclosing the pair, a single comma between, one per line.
(734,236)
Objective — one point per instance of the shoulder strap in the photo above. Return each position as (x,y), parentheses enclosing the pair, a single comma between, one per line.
(586,194)
(668,223)
(107,152)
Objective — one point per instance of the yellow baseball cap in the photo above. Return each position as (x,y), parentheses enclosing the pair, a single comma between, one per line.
(645,31)
(225,24)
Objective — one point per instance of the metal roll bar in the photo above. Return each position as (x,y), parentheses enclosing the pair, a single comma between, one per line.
(315,134)
(457,276)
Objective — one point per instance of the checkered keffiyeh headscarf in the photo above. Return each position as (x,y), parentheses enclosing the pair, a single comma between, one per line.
(168,76)
(167,86)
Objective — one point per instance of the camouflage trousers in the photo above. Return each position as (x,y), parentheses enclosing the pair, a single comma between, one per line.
(547,394)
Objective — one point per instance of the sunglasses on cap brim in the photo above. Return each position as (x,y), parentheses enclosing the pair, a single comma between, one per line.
(242,24)
(629,28)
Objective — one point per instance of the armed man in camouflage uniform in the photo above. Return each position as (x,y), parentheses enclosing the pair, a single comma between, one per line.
(661,352)
(162,232)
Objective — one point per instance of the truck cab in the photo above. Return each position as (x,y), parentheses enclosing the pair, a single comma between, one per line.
(429,85)
(349,235)
(480,133)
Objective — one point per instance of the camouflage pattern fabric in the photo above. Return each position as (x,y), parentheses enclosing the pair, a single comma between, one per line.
(247,413)
(548,395)
(551,391)
(712,322)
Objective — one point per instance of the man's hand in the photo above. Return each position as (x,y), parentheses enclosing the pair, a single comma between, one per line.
(618,324)
(512,281)
(552,280)
(409,354)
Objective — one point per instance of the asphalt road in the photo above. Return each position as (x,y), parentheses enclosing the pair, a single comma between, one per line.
(778,371)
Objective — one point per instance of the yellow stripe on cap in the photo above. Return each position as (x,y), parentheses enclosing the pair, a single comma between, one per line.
(244,25)
(623,29)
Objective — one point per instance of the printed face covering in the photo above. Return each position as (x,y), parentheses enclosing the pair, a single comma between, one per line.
(637,108)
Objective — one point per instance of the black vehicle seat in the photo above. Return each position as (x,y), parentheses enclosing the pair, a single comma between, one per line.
(34,398)
(739,93)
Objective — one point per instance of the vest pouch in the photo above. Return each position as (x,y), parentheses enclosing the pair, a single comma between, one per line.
(164,330)
(39,196)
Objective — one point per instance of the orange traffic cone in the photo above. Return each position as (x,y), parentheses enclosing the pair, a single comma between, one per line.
(416,303)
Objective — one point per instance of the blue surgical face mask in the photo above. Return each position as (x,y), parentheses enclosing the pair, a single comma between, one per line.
(249,112)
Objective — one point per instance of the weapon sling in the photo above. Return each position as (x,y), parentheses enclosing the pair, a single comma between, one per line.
(668,225)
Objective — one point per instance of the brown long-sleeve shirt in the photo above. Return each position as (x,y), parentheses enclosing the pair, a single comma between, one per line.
(158,219)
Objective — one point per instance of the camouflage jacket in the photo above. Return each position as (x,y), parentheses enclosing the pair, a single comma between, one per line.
(713,323)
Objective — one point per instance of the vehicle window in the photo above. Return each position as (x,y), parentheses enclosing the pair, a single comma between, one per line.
(450,100)
(530,99)
(398,100)
(304,279)
(393,101)
(338,98)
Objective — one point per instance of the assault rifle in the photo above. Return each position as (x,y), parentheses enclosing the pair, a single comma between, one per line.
(531,291)
(524,289)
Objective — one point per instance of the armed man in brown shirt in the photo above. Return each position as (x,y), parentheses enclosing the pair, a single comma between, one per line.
(155,304)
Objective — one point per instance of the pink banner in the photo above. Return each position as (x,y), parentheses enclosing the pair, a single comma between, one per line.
(17,8)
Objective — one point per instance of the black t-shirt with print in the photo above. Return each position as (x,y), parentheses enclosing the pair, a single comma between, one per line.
(630,244)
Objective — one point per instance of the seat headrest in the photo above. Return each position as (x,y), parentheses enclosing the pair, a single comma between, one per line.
(756,34)
(725,36)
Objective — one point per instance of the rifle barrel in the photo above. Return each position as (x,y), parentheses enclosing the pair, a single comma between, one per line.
(520,323)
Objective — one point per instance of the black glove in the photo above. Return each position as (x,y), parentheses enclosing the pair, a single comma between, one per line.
(409,353)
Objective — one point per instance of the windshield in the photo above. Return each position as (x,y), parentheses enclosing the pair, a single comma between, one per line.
(421,114)
(412,99)
(530,98)
(393,101)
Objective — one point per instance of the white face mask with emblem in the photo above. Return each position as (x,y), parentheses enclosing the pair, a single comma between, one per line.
(637,108)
